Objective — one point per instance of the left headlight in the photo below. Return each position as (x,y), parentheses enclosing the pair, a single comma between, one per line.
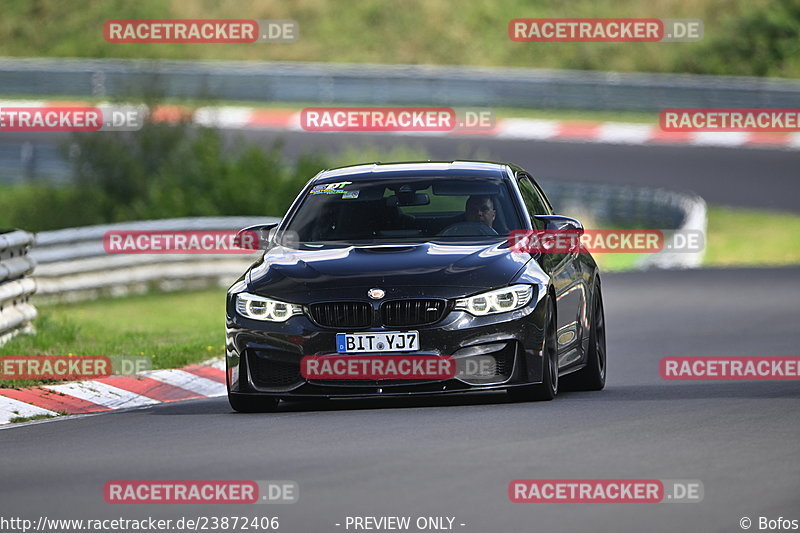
(260,308)
(496,301)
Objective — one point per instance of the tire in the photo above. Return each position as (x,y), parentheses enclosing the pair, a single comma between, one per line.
(548,389)
(252,404)
(593,375)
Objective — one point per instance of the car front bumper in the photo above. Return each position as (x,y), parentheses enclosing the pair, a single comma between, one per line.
(263,358)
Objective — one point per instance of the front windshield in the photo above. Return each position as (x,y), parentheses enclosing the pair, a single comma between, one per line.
(405,209)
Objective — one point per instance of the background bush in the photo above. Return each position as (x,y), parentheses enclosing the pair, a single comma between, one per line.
(170,170)
(161,171)
(742,37)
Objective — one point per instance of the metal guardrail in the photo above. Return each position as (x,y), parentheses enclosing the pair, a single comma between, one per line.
(391,84)
(330,83)
(641,207)
(16,288)
(73,265)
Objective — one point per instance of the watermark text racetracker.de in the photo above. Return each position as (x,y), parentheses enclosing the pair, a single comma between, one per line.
(396,367)
(604,30)
(606,241)
(71,366)
(200,492)
(180,242)
(730,120)
(220,31)
(730,368)
(419,119)
(605,491)
(83,118)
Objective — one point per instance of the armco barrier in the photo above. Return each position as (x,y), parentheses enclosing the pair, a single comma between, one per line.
(73,265)
(330,83)
(16,288)
(642,207)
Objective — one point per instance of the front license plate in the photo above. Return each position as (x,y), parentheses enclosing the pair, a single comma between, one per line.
(391,341)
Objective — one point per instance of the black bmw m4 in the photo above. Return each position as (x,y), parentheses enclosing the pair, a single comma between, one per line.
(378,272)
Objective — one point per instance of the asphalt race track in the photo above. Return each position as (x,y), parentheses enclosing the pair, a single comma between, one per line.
(455,456)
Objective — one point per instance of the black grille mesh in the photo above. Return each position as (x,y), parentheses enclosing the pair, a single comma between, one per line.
(342,314)
(270,373)
(403,313)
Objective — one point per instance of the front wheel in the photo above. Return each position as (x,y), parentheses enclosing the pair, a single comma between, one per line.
(593,375)
(548,388)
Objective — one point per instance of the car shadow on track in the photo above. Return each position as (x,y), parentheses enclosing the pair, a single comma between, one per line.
(695,391)
(622,393)
(221,406)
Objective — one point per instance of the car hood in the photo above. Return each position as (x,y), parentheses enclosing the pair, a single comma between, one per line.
(291,272)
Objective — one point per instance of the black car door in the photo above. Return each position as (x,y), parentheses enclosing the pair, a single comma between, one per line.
(565,271)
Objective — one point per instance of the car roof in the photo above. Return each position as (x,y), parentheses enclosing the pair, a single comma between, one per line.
(422,169)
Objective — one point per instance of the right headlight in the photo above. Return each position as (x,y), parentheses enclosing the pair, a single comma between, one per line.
(496,301)
(261,308)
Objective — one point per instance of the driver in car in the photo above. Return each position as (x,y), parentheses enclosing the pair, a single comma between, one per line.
(480,209)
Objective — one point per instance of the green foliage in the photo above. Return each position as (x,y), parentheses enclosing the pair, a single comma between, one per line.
(751,41)
(742,37)
(168,170)
(125,326)
(41,207)
(161,171)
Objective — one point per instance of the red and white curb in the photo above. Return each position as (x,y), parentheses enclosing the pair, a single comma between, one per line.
(519,128)
(236,117)
(152,387)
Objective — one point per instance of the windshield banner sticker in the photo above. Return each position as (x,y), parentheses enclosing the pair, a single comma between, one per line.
(330,188)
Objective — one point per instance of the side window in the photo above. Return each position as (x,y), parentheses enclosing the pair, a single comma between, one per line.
(534,203)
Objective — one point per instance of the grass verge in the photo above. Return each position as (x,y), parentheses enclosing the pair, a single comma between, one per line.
(750,237)
(20,419)
(735,237)
(174,329)
(741,37)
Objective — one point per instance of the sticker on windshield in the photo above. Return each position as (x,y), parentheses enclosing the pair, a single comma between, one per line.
(350,194)
(330,188)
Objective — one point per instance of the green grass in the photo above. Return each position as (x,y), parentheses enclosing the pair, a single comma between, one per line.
(174,329)
(577,115)
(735,237)
(743,37)
(20,419)
(617,262)
(749,237)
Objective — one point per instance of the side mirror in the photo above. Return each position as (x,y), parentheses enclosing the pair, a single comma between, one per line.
(558,223)
(255,237)
(565,227)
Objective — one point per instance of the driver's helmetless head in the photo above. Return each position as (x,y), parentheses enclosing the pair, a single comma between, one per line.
(480,209)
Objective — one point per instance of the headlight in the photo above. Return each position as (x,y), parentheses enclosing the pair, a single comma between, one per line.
(260,308)
(496,301)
